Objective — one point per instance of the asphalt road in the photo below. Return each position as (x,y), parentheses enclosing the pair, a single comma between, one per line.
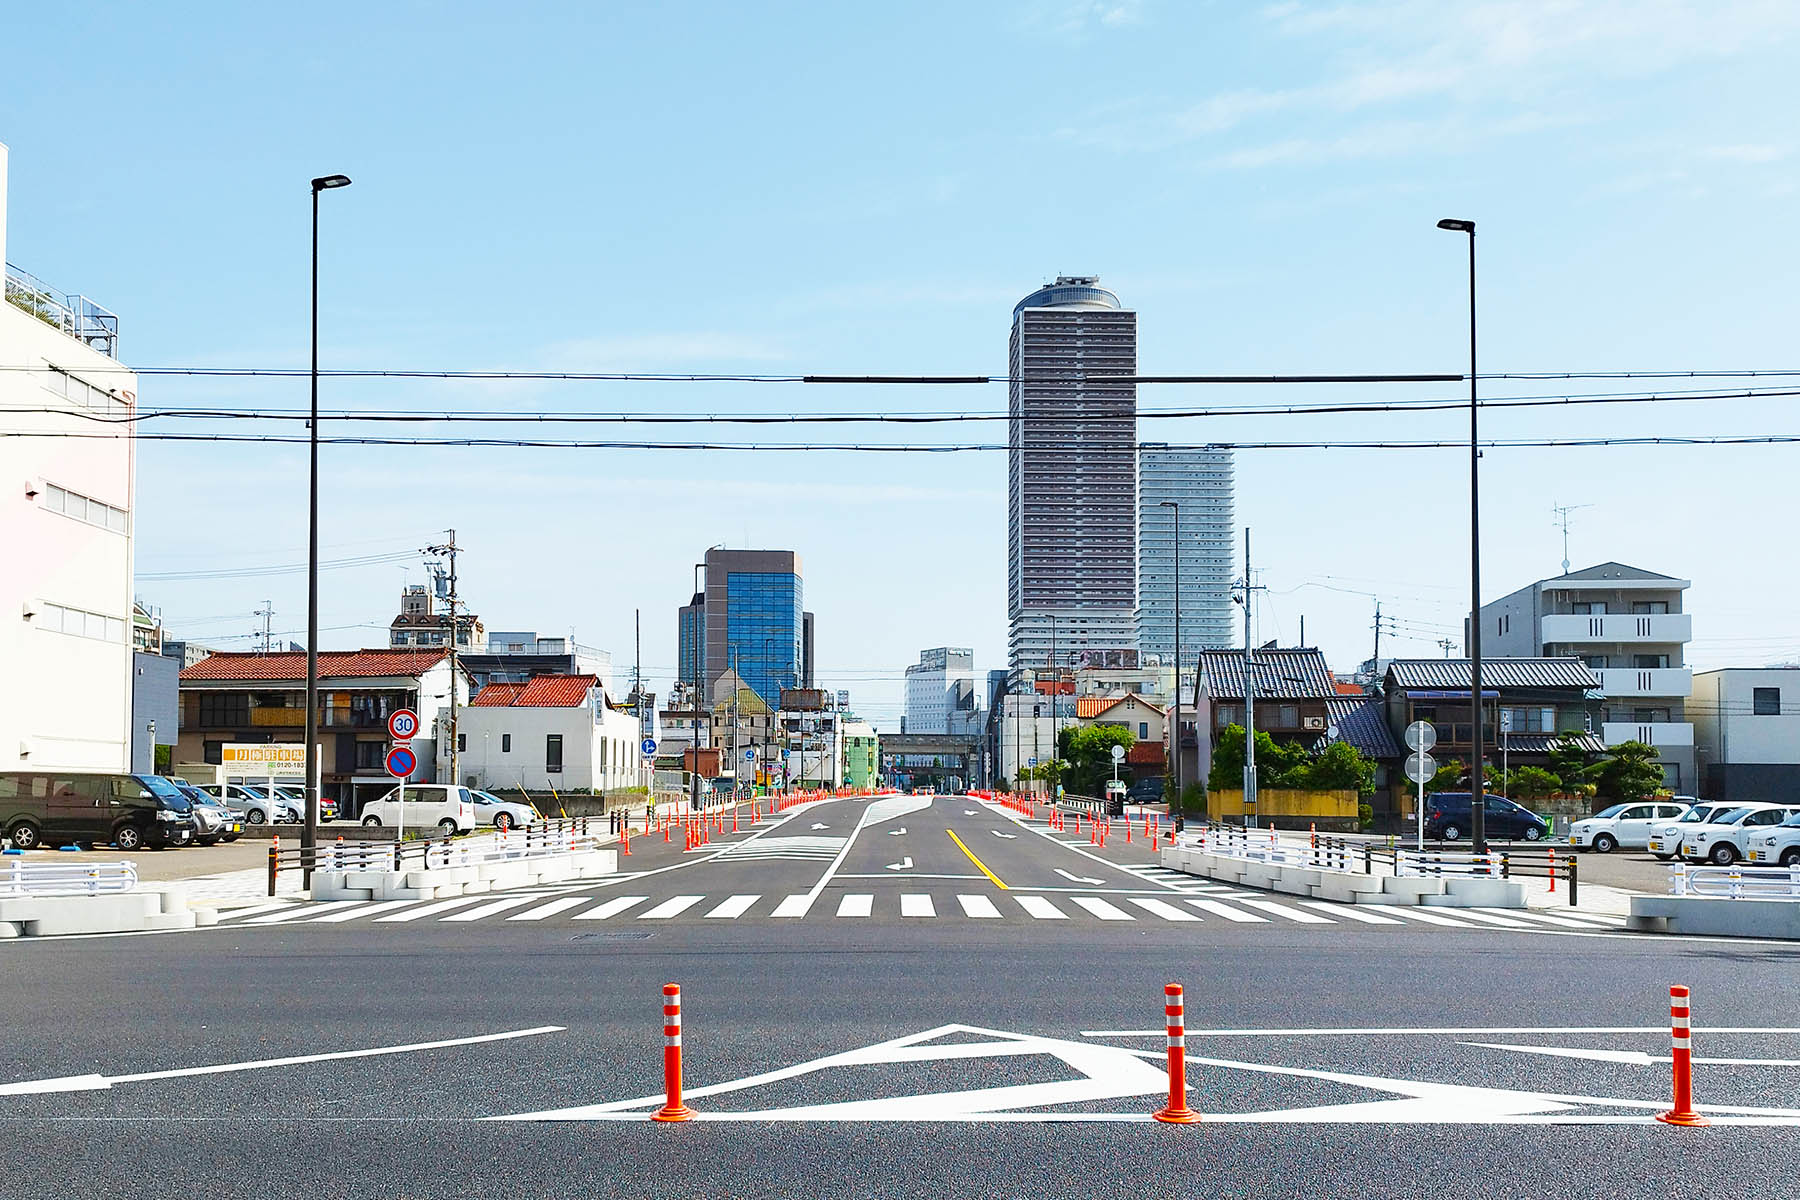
(1291,1024)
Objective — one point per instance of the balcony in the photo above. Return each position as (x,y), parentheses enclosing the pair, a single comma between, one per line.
(1624,628)
(1661,734)
(76,316)
(1625,682)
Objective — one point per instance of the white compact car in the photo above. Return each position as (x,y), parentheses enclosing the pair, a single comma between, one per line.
(451,807)
(257,805)
(1725,838)
(1626,825)
(1665,836)
(1777,847)
(503,814)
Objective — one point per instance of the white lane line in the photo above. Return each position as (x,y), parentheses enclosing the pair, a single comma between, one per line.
(1351,911)
(793,906)
(1415,913)
(549,910)
(233,914)
(1228,912)
(885,808)
(1041,908)
(856,905)
(310,909)
(1487,918)
(1282,910)
(734,907)
(916,905)
(366,911)
(978,906)
(426,910)
(1101,909)
(1163,909)
(488,910)
(674,906)
(1558,920)
(609,908)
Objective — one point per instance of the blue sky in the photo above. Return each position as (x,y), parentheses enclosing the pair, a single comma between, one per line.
(862,188)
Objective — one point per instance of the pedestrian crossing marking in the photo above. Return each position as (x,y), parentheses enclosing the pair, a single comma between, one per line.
(1101,909)
(856,905)
(793,906)
(1281,910)
(488,910)
(1352,912)
(609,908)
(1429,918)
(1228,912)
(1485,918)
(308,910)
(1041,908)
(413,914)
(732,907)
(366,910)
(672,907)
(914,904)
(550,909)
(1163,909)
(979,907)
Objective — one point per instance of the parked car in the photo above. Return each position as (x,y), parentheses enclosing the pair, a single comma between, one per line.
(230,823)
(1665,836)
(449,806)
(258,807)
(503,814)
(1725,838)
(39,808)
(1448,818)
(1779,846)
(1145,791)
(1626,825)
(295,795)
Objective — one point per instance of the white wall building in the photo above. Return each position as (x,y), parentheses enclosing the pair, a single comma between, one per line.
(1747,733)
(556,732)
(66,529)
(1026,729)
(941,696)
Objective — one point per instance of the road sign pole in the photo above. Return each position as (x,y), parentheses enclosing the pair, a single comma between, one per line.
(401,835)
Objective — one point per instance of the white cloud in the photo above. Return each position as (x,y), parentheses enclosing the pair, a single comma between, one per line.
(1749,153)
(1074,19)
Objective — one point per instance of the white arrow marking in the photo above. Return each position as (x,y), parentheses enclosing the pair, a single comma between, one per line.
(1636,1058)
(968,812)
(904,864)
(1077,878)
(816,825)
(1008,836)
(897,832)
(92,1083)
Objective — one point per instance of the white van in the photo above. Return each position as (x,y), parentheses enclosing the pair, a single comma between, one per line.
(448,806)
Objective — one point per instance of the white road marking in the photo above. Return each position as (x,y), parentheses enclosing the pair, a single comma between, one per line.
(1351,911)
(1226,911)
(89,1083)
(366,911)
(609,908)
(1550,918)
(1487,918)
(897,832)
(1636,1058)
(884,809)
(977,906)
(1163,909)
(251,910)
(548,910)
(674,906)
(1282,910)
(426,910)
(858,905)
(734,907)
(488,910)
(820,825)
(1101,909)
(916,905)
(905,864)
(304,910)
(793,906)
(1082,878)
(1428,916)
(998,834)
(1041,908)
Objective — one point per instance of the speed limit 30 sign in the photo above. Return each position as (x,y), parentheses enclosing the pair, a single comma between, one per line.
(403,726)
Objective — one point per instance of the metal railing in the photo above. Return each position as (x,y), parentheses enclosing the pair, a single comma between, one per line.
(75,315)
(1736,883)
(561,836)
(24,877)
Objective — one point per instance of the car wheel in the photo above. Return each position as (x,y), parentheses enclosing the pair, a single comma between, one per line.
(1605,843)
(1723,854)
(1663,857)
(128,837)
(447,827)
(1533,833)
(256,816)
(371,821)
(1791,857)
(26,836)
(1452,832)
(503,821)
(230,837)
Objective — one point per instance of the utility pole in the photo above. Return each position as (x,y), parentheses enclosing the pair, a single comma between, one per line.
(1448,644)
(637,662)
(1249,697)
(448,550)
(736,683)
(1376,660)
(1055,712)
(266,612)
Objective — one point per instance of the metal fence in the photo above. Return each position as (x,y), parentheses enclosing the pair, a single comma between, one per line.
(561,836)
(1736,883)
(25,877)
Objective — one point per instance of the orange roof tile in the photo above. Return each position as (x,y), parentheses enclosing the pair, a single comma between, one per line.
(546,691)
(497,695)
(333,664)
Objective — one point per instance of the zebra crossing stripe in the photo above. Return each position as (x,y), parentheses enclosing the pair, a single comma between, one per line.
(1282,910)
(860,905)
(1041,908)
(1412,913)
(794,906)
(732,907)
(301,910)
(1163,909)
(1228,912)
(1352,912)
(549,910)
(1487,918)
(977,906)
(1557,919)
(916,905)
(413,914)
(488,910)
(254,909)
(674,906)
(609,908)
(1101,909)
(365,910)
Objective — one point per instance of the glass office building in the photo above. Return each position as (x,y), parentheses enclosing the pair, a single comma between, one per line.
(751,614)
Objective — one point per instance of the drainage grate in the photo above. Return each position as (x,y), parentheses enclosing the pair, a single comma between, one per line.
(611,937)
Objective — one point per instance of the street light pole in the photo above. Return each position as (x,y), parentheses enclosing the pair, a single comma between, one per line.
(1174,805)
(1477,779)
(309,834)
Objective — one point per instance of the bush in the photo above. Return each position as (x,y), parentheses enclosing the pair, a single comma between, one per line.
(1365,816)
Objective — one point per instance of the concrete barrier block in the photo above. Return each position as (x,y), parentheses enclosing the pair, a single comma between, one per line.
(1170,857)
(1258,875)
(503,874)
(124,909)
(1297,881)
(172,897)
(402,892)
(205,916)
(180,920)
(1719,917)
(325,890)
(438,876)
(9,929)
(1481,893)
(1412,889)
(473,887)
(365,879)
(1381,898)
(1346,889)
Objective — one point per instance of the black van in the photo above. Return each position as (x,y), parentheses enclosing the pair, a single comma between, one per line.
(1447,817)
(55,808)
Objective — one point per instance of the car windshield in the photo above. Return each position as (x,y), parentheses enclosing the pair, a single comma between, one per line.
(1613,811)
(1695,814)
(485,798)
(254,793)
(165,792)
(1730,816)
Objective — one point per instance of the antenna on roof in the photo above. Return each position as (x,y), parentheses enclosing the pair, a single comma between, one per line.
(1562,512)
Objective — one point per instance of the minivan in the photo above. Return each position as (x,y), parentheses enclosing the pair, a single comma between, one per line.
(87,808)
(1447,817)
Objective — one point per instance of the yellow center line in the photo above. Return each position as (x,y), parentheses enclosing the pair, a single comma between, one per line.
(978,863)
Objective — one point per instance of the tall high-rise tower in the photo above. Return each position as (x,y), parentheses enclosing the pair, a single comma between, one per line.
(750,615)
(1072,476)
(1199,480)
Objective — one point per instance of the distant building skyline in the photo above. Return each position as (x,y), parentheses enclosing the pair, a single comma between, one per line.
(1200,481)
(938,686)
(750,616)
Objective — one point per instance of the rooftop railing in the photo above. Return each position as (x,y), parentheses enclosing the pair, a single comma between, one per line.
(75,315)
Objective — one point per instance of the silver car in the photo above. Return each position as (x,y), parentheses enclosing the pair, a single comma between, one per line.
(503,814)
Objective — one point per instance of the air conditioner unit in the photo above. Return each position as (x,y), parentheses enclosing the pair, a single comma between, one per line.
(1312,722)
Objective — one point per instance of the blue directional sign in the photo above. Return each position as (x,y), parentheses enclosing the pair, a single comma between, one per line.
(401,761)
(648,746)
(749,756)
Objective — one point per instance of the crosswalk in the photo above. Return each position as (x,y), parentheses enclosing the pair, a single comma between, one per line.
(1226,909)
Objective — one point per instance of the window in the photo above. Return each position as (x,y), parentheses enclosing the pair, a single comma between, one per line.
(370,755)
(224,710)
(1143,730)
(462,743)
(83,508)
(1649,716)
(1641,607)
(1765,702)
(553,758)
(1595,661)
(80,623)
(506,743)
(1649,662)
(1586,607)
(213,752)
(1287,716)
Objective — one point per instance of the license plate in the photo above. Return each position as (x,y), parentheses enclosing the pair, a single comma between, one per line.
(1573,840)
(1655,846)
(1687,849)
(1756,856)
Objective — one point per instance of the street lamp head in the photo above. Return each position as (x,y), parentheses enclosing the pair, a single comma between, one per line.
(325,182)
(1168,504)
(1456,226)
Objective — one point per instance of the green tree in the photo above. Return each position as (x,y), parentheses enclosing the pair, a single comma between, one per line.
(1088,751)
(1274,760)
(1446,778)
(1340,766)
(1570,761)
(1533,783)
(1630,772)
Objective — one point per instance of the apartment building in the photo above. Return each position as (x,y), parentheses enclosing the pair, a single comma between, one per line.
(1747,733)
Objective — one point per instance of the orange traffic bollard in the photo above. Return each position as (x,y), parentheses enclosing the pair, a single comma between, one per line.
(673,1109)
(625,841)
(1177,1112)
(1683,1113)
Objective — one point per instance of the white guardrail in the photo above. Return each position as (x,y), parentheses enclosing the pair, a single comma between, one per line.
(531,842)
(1736,883)
(1266,846)
(26,877)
